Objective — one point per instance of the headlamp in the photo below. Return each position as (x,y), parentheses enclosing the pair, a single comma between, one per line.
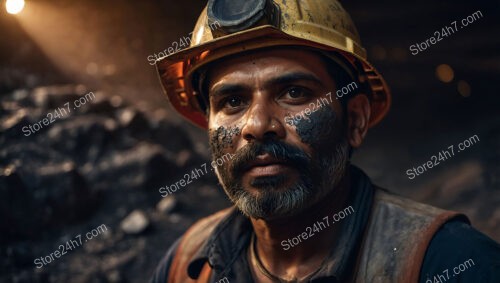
(236,15)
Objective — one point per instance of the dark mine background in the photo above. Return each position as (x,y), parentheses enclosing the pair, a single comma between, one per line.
(105,162)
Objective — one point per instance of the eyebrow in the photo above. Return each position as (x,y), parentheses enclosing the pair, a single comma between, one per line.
(284,79)
(289,78)
(225,89)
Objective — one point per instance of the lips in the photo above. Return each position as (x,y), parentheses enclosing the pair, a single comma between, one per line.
(265,165)
(262,160)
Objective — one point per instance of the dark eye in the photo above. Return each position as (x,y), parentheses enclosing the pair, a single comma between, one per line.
(232,101)
(296,94)
(229,103)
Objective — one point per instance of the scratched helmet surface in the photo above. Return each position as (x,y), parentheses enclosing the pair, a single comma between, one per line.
(228,27)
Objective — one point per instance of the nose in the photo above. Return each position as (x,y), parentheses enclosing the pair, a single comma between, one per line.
(262,123)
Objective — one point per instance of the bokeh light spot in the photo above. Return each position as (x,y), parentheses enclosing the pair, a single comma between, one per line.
(463,88)
(445,73)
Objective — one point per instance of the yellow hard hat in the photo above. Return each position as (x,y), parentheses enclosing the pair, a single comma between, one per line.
(228,27)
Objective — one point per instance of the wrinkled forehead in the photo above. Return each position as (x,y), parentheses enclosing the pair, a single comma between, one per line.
(266,62)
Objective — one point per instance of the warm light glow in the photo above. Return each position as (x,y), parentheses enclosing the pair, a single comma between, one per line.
(445,73)
(14,6)
(464,88)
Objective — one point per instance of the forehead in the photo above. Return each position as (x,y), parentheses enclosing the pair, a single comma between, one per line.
(266,64)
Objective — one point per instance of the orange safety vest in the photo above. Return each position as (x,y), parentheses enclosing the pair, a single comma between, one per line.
(393,247)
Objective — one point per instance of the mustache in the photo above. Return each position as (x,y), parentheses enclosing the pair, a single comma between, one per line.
(289,154)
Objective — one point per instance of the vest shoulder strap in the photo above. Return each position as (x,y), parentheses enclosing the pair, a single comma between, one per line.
(394,244)
(398,234)
(190,244)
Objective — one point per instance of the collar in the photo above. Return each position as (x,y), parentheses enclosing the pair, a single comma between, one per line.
(225,248)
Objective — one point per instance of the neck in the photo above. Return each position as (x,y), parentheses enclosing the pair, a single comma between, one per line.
(291,246)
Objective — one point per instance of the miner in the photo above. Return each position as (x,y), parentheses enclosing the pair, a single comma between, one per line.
(269,60)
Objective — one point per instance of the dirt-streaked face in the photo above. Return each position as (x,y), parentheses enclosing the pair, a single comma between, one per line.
(271,109)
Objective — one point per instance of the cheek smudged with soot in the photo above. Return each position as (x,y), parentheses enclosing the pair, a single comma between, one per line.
(316,127)
(222,138)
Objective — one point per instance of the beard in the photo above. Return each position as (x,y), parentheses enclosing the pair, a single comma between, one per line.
(276,197)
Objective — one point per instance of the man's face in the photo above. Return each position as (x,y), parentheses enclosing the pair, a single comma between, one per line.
(270,110)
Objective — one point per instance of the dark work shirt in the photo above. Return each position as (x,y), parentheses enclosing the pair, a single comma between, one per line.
(460,253)
(457,252)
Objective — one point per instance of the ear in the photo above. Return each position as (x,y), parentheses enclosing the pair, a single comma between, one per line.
(358,115)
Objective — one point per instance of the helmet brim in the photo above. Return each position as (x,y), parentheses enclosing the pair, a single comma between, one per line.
(178,68)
